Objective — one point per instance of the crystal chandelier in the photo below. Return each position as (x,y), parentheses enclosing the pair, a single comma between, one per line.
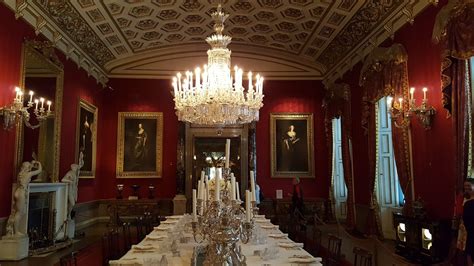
(211,96)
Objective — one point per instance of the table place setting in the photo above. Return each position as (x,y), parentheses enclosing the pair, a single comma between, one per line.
(155,237)
(271,226)
(143,248)
(278,236)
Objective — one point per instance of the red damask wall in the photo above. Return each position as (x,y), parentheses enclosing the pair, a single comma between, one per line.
(292,96)
(131,95)
(76,84)
(433,150)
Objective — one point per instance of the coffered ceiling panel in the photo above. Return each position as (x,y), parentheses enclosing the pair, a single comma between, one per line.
(283,38)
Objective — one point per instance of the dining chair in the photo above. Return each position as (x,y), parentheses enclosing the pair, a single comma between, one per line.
(126,236)
(110,246)
(362,257)
(316,238)
(334,250)
(140,228)
(69,259)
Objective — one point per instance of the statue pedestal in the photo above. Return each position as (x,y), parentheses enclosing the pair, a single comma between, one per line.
(14,248)
(71,228)
(179,204)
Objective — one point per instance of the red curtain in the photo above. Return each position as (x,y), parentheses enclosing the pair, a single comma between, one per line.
(385,73)
(337,104)
(454,29)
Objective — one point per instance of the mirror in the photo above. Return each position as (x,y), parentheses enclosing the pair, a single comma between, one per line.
(42,73)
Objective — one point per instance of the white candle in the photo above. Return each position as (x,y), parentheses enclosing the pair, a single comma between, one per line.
(247,204)
(36,104)
(17,93)
(237,191)
(250,81)
(31,96)
(199,189)
(252,185)
(400,100)
(227,153)
(49,106)
(218,186)
(424,93)
(412,91)
(42,102)
(232,186)
(194,205)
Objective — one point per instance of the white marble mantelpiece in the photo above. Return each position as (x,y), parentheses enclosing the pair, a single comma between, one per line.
(59,203)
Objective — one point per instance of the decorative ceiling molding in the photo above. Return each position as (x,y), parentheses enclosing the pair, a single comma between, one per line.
(286,39)
(45,26)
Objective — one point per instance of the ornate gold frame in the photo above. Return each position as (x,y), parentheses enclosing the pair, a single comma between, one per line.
(93,109)
(309,134)
(43,50)
(121,138)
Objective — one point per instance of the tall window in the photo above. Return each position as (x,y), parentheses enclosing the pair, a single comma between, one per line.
(340,189)
(389,192)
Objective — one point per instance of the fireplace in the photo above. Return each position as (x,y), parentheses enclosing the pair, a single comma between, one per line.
(47,211)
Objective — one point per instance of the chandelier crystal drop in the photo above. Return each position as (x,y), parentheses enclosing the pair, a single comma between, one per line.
(211,95)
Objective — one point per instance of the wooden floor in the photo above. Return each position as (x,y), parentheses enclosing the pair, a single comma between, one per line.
(89,251)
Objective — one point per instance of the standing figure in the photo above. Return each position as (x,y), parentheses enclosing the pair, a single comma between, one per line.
(140,151)
(20,197)
(72,179)
(288,152)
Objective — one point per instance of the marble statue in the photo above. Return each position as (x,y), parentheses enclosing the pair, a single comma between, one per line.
(20,197)
(72,179)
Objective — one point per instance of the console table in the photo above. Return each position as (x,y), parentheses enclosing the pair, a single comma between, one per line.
(123,209)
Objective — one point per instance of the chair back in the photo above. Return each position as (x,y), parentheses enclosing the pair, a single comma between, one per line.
(317,237)
(141,228)
(334,246)
(126,236)
(362,257)
(69,259)
(110,246)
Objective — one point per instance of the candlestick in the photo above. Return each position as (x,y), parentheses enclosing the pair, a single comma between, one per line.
(49,106)
(17,91)
(237,191)
(424,93)
(232,186)
(42,102)
(194,205)
(227,153)
(247,205)
(252,186)
(36,104)
(218,187)
(412,91)
(400,100)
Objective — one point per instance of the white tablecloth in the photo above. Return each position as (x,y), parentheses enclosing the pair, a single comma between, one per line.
(149,251)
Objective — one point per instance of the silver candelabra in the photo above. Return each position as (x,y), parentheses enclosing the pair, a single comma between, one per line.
(223,223)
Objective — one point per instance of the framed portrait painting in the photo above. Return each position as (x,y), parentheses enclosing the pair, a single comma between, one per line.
(86,137)
(292,150)
(139,144)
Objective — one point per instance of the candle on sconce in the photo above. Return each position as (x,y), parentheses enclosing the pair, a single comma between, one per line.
(36,104)
(49,105)
(227,153)
(400,100)
(20,96)
(412,91)
(31,96)
(389,102)
(424,93)
(42,102)
(17,93)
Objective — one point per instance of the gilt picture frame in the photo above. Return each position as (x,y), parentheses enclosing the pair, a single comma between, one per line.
(86,137)
(139,145)
(291,148)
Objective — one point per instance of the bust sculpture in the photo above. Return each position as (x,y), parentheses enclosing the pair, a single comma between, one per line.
(72,179)
(20,197)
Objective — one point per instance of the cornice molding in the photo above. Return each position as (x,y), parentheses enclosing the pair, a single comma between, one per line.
(43,25)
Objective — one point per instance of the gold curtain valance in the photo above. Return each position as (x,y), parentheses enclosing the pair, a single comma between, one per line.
(453,28)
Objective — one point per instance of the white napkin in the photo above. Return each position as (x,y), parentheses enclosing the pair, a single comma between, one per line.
(142,248)
(156,238)
(281,235)
(161,228)
(175,217)
(269,226)
(302,260)
(290,245)
(262,220)
(124,261)
(169,222)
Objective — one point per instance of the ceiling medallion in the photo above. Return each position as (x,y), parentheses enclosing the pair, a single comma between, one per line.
(212,96)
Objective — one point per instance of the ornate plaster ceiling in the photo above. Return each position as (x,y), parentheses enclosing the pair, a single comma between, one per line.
(284,39)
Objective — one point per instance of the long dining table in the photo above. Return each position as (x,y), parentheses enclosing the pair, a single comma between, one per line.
(269,246)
